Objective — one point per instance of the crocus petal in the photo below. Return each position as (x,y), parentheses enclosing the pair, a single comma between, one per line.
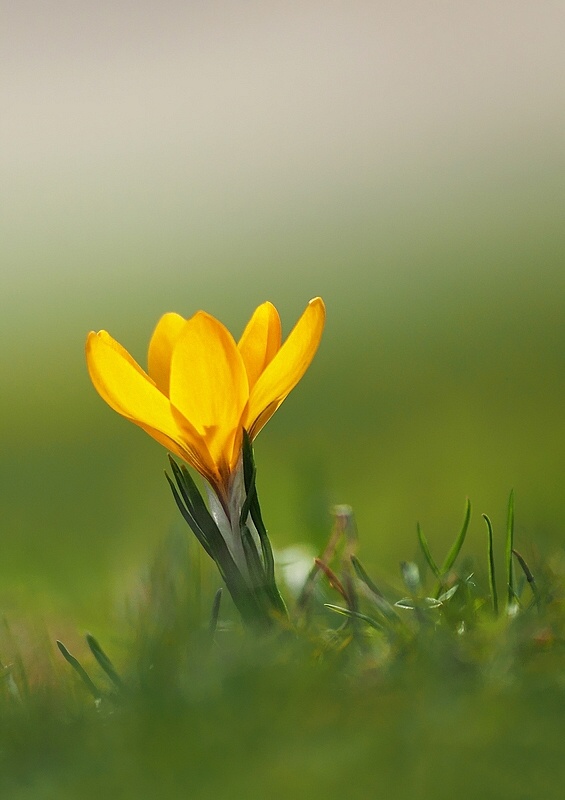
(121,382)
(161,349)
(260,341)
(105,338)
(208,383)
(192,450)
(287,367)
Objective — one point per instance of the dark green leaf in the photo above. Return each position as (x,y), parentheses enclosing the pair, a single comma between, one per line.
(347,612)
(491,569)
(382,603)
(509,548)
(79,669)
(104,661)
(215,613)
(458,543)
(530,578)
(426,551)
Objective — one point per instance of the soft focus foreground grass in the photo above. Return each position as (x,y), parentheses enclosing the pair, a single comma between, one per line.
(286,733)
(477,714)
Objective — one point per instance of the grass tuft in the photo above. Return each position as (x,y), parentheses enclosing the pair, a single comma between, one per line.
(360,686)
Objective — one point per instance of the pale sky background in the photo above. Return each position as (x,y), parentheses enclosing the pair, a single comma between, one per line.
(125,125)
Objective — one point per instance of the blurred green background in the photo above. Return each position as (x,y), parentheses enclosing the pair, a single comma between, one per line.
(405,161)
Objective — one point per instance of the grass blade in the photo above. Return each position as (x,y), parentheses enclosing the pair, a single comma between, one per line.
(380,600)
(364,577)
(346,612)
(215,613)
(426,551)
(491,570)
(104,661)
(510,548)
(530,578)
(80,670)
(458,543)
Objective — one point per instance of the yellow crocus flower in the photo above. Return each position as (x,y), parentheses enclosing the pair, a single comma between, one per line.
(201,388)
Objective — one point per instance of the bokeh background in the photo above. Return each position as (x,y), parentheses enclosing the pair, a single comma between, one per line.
(404,160)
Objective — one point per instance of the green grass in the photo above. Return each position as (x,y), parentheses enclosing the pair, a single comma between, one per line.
(418,688)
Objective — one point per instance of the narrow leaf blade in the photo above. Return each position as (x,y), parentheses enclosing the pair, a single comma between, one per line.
(458,543)
(80,670)
(347,612)
(104,661)
(510,548)
(491,569)
(426,551)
